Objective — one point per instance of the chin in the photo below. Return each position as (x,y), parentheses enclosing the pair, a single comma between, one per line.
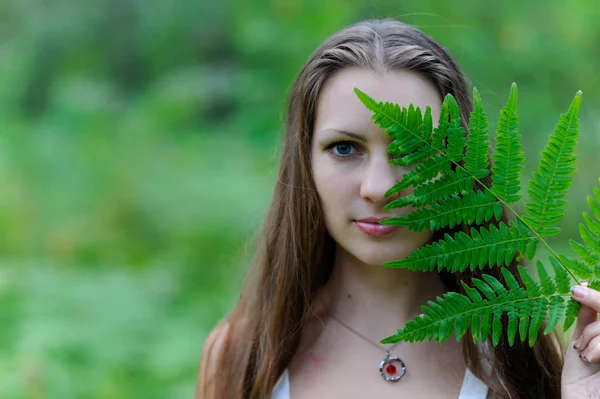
(377,253)
(378,258)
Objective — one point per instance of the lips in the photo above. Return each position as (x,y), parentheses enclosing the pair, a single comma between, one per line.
(371,226)
(373,219)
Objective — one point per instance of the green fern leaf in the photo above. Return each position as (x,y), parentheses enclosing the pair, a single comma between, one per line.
(556,309)
(446,167)
(533,287)
(526,308)
(408,128)
(493,246)
(412,158)
(472,207)
(546,282)
(552,180)
(572,312)
(577,267)
(424,171)
(508,158)
(452,182)
(588,256)
(592,242)
(591,224)
(455,132)
(439,133)
(589,252)
(593,204)
(478,144)
(560,276)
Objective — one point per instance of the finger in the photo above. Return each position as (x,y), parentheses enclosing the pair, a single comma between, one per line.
(586,316)
(586,296)
(592,353)
(590,332)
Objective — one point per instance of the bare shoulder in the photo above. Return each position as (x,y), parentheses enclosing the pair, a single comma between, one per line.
(209,359)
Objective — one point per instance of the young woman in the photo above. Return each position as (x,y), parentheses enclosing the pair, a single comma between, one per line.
(317,301)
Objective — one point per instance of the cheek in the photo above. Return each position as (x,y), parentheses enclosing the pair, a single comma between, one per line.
(335,189)
(329,194)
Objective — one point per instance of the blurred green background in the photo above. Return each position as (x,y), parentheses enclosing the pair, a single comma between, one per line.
(139,149)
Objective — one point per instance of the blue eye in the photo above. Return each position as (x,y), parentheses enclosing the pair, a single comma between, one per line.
(344,149)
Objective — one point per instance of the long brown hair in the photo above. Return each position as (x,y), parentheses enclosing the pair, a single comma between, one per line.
(294,254)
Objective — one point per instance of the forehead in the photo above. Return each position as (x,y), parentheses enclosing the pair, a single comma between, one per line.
(339,108)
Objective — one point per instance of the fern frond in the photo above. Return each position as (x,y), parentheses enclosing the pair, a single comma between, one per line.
(472,207)
(552,180)
(478,144)
(450,183)
(589,251)
(578,268)
(493,246)
(588,256)
(591,224)
(424,171)
(408,128)
(593,204)
(590,239)
(455,132)
(481,309)
(560,276)
(447,166)
(573,307)
(424,129)
(412,158)
(508,158)
(439,133)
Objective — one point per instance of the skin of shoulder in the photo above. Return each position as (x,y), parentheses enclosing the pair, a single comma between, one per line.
(211,351)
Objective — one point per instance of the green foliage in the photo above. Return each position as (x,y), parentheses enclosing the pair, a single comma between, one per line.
(481,310)
(486,246)
(508,157)
(552,180)
(449,189)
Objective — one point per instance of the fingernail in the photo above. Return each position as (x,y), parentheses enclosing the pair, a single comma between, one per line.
(578,342)
(579,292)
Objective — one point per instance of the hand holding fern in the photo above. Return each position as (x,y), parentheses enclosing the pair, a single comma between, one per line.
(581,372)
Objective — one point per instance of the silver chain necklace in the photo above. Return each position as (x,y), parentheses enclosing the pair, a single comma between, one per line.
(387,367)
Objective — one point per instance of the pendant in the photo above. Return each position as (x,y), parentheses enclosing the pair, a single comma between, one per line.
(392,368)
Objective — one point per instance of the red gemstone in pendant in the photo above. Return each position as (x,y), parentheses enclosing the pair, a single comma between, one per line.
(390,369)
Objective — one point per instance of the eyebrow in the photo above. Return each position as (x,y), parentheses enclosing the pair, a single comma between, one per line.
(356,136)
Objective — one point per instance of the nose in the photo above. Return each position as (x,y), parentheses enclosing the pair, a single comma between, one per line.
(378,177)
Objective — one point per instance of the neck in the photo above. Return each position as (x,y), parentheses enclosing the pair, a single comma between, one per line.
(374,300)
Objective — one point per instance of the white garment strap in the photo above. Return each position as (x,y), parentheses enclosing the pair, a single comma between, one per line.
(473,387)
(281,390)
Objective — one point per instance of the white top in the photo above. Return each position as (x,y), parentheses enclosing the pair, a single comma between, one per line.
(472,388)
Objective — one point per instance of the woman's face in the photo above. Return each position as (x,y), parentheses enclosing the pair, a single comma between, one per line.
(351,171)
